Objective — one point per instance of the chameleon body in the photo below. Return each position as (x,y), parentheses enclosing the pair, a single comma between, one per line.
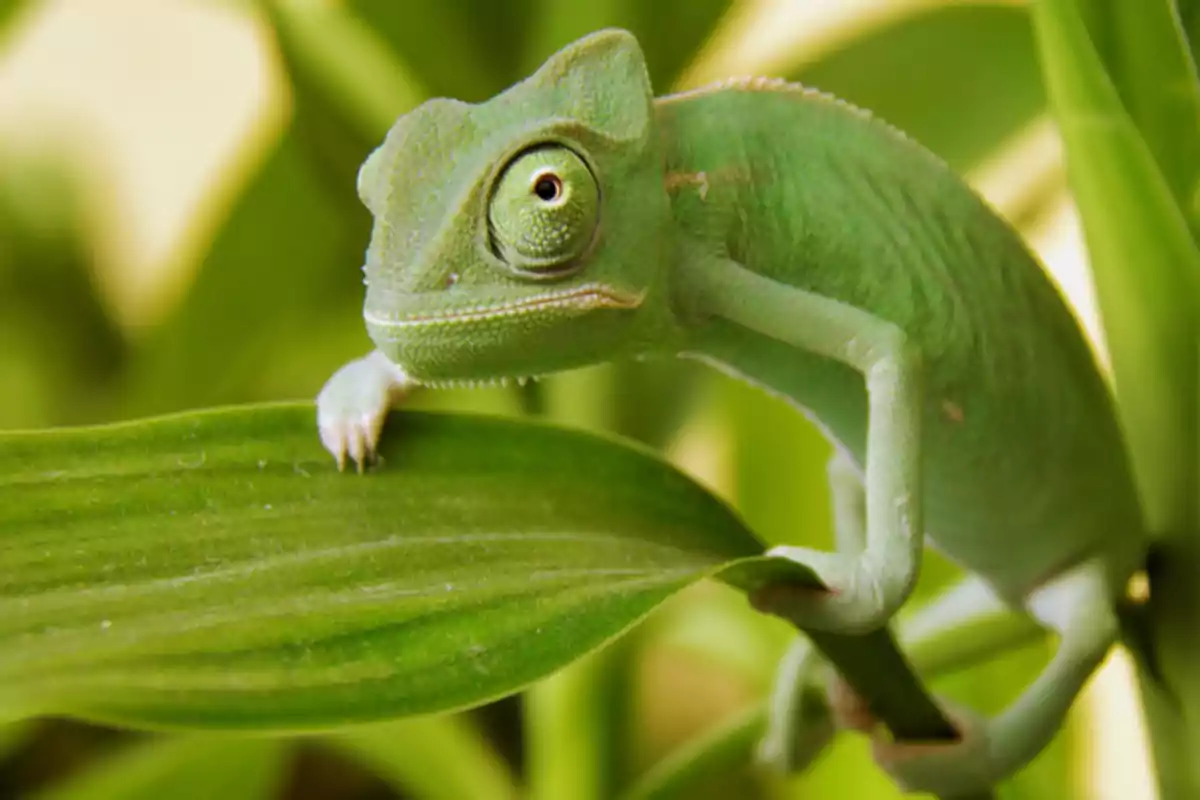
(795,241)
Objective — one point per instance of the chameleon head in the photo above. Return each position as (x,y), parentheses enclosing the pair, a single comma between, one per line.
(527,234)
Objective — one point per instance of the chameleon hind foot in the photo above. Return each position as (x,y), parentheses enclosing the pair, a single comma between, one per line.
(354,403)
(961,767)
(1078,607)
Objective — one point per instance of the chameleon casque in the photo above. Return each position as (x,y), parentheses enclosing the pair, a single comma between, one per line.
(794,241)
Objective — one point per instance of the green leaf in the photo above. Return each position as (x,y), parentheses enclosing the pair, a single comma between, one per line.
(215,570)
(1189,19)
(468,49)
(1145,53)
(959,77)
(1145,263)
(1147,273)
(181,768)
(431,758)
(715,754)
(350,85)
(574,724)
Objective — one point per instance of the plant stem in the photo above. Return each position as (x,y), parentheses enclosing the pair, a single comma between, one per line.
(442,757)
(886,683)
(573,722)
(1147,272)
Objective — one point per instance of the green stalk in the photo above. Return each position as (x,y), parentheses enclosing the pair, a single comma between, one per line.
(1147,273)
(443,757)
(575,721)
(572,726)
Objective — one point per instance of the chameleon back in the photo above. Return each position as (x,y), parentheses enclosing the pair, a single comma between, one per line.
(1022,447)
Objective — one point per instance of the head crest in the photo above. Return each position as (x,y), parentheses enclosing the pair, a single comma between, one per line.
(601,81)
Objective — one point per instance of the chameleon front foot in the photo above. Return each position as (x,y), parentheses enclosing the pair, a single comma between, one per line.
(353,404)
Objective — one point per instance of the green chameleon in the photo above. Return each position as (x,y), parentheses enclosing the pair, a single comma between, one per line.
(794,241)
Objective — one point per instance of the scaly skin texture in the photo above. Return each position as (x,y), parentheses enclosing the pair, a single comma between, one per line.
(792,240)
(1020,443)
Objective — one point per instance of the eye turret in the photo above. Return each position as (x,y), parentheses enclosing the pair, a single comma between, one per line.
(544,210)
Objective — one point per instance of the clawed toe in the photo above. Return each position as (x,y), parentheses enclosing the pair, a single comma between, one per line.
(353,438)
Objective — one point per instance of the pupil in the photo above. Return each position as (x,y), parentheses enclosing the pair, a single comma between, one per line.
(547,187)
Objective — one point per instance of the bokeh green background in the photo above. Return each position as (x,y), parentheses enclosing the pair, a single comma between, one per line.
(260,298)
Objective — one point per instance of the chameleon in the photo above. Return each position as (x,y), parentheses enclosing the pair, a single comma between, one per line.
(801,244)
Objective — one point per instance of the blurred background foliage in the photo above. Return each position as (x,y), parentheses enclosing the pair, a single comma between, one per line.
(179,228)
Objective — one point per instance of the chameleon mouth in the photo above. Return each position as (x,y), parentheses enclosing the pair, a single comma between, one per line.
(588,297)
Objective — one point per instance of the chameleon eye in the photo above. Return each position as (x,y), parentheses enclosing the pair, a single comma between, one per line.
(544,210)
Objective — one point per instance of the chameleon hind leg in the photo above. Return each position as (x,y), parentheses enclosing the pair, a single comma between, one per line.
(964,624)
(1078,607)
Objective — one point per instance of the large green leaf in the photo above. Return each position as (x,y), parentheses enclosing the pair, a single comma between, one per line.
(216,570)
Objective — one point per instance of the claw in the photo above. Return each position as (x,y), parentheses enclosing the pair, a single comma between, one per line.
(333,437)
(353,439)
(356,447)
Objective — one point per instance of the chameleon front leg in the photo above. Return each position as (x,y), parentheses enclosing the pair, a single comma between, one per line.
(790,743)
(847,502)
(353,404)
(1078,606)
(864,589)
